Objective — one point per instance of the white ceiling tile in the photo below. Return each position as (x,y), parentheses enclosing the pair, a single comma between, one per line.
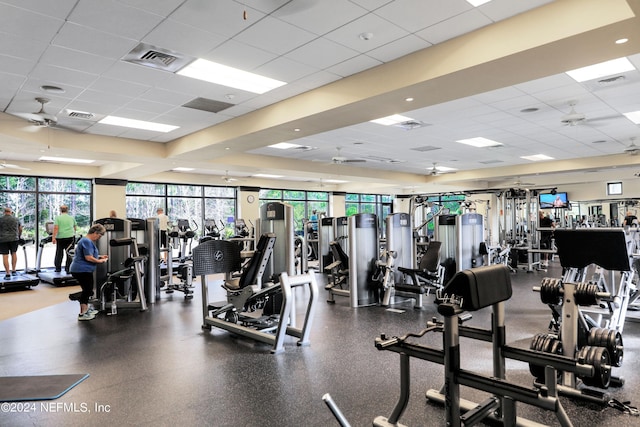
(119,87)
(398,48)
(184,39)
(239,55)
(498,10)
(415,15)
(320,17)
(92,41)
(76,60)
(27,25)
(113,17)
(274,35)
(454,27)
(321,53)
(158,7)
(62,76)
(381,33)
(220,17)
(354,65)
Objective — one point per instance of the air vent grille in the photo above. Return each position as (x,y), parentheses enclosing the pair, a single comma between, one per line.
(425,148)
(80,115)
(162,58)
(210,105)
(158,58)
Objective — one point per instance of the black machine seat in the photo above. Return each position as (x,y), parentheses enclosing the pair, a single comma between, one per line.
(479,287)
(427,273)
(605,247)
(260,257)
(339,267)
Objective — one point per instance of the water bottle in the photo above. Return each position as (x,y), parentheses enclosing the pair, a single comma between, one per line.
(114,308)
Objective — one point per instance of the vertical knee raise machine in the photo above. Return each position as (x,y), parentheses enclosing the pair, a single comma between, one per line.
(468,291)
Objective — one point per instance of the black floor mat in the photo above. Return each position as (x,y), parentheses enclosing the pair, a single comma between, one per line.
(41,387)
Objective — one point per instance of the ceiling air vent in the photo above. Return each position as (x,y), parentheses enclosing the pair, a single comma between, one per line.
(80,115)
(158,58)
(425,148)
(411,124)
(210,105)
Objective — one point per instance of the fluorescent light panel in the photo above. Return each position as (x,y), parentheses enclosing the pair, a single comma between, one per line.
(137,124)
(444,168)
(284,145)
(477,3)
(537,157)
(603,69)
(634,116)
(479,142)
(266,175)
(64,160)
(335,181)
(212,72)
(392,120)
(182,169)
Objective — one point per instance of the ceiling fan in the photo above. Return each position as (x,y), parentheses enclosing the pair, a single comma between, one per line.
(40,118)
(4,165)
(339,159)
(632,149)
(226,178)
(573,118)
(439,170)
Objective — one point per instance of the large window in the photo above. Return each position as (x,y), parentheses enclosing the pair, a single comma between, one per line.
(303,202)
(380,205)
(36,201)
(196,204)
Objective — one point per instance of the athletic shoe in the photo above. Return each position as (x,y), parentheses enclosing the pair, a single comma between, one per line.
(7,276)
(14,273)
(86,316)
(93,312)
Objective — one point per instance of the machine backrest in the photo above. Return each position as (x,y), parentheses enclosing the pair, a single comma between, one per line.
(339,254)
(216,256)
(260,256)
(480,287)
(605,247)
(431,258)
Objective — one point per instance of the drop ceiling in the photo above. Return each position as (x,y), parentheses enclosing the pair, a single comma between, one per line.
(496,71)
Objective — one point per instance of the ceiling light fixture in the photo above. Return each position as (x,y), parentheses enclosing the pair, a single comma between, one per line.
(212,72)
(622,40)
(603,69)
(479,142)
(266,175)
(64,160)
(137,124)
(537,157)
(284,145)
(409,99)
(634,116)
(365,36)
(476,3)
(392,120)
(181,169)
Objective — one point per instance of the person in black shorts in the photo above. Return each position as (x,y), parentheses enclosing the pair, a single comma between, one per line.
(10,232)
(545,237)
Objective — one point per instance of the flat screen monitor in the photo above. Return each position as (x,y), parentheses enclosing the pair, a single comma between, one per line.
(550,201)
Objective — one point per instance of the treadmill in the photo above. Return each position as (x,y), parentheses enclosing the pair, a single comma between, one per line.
(23,279)
(49,275)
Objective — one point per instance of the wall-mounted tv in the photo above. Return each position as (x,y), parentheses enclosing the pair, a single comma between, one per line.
(550,201)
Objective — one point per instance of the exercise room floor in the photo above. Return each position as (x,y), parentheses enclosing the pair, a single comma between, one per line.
(159,368)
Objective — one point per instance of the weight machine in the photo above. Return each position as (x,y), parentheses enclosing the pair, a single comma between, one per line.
(468,291)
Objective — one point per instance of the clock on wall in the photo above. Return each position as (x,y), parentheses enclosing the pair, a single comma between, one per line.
(250,198)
